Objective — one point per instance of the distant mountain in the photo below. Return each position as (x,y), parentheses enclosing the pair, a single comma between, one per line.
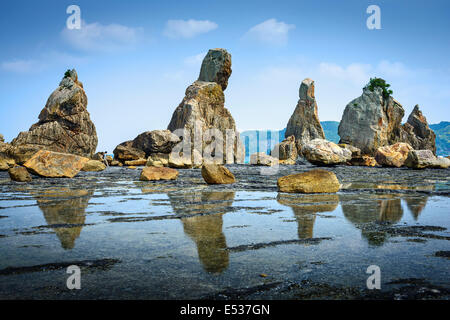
(442,130)
(269,138)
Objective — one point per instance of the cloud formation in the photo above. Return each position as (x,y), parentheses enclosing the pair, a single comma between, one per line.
(20,66)
(186,29)
(101,38)
(270,32)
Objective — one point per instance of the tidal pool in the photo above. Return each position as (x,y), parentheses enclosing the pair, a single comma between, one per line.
(184,239)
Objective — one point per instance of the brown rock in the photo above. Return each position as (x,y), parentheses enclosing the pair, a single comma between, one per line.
(262,159)
(394,155)
(217,174)
(138,162)
(64,124)
(6,162)
(158,160)
(125,152)
(19,174)
(286,151)
(314,181)
(366,161)
(156,141)
(156,173)
(417,133)
(94,165)
(55,165)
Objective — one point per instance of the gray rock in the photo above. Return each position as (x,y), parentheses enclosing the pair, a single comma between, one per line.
(421,159)
(323,152)
(417,133)
(286,151)
(125,152)
(216,67)
(262,159)
(156,141)
(304,123)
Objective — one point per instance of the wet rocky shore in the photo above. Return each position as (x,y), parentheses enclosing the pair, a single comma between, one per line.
(184,239)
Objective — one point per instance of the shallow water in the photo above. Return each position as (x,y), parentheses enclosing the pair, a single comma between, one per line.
(184,239)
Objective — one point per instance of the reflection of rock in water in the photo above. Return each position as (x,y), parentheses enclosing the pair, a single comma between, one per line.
(373,209)
(416,205)
(65,207)
(205,230)
(305,208)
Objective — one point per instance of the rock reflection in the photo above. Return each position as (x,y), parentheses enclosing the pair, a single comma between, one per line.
(305,208)
(205,228)
(382,208)
(65,209)
(416,206)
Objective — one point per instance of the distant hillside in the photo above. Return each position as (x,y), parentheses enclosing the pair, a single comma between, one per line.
(442,131)
(268,138)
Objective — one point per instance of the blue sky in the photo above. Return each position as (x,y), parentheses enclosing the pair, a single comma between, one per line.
(136,58)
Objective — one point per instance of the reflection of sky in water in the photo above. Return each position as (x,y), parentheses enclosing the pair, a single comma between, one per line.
(187,256)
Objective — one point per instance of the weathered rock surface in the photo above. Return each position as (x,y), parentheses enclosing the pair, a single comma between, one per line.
(94,165)
(202,109)
(366,161)
(314,181)
(6,162)
(262,159)
(421,159)
(156,141)
(182,161)
(417,133)
(323,152)
(371,121)
(138,162)
(394,155)
(356,152)
(155,173)
(158,160)
(2,139)
(55,164)
(217,174)
(216,67)
(125,152)
(19,174)
(304,123)
(64,124)
(286,151)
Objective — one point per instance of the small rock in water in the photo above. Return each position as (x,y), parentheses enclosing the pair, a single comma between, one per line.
(314,181)
(157,173)
(217,174)
(19,174)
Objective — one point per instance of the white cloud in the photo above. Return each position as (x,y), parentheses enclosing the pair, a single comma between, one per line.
(194,61)
(356,72)
(98,37)
(21,66)
(270,32)
(176,29)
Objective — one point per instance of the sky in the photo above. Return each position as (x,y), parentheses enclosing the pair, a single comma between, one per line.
(136,58)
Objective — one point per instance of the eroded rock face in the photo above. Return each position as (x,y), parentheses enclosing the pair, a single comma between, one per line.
(55,164)
(366,161)
(94,165)
(155,173)
(417,133)
(394,155)
(216,67)
(217,174)
(158,160)
(125,152)
(64,124)
(138,162)
(262,159)
(156,141)
(371,121)
(314,181)
(304,123)
(19,174)
(421,159)
(323,152)
(203,110)
(286,150)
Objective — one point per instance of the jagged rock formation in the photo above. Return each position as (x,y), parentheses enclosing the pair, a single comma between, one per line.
(64,124)
(371,121)
(304,123)
(203,108)
(417,133)
(286,151)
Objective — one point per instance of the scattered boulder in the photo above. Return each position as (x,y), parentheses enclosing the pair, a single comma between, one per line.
(262,159)
(314,181)
(287,151)
(216,67)
(366,161)
(323,152)
(185,161)
(217,174)
(203,108)
(356,152)
(94,165)
(371,121)
(55,164)
(393,156)
(19,174)
(417,133)
(156,141)
(158,160)
(64,124)
(304,123)
(136,163)
(155,173)
(126,152)
(421,159)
